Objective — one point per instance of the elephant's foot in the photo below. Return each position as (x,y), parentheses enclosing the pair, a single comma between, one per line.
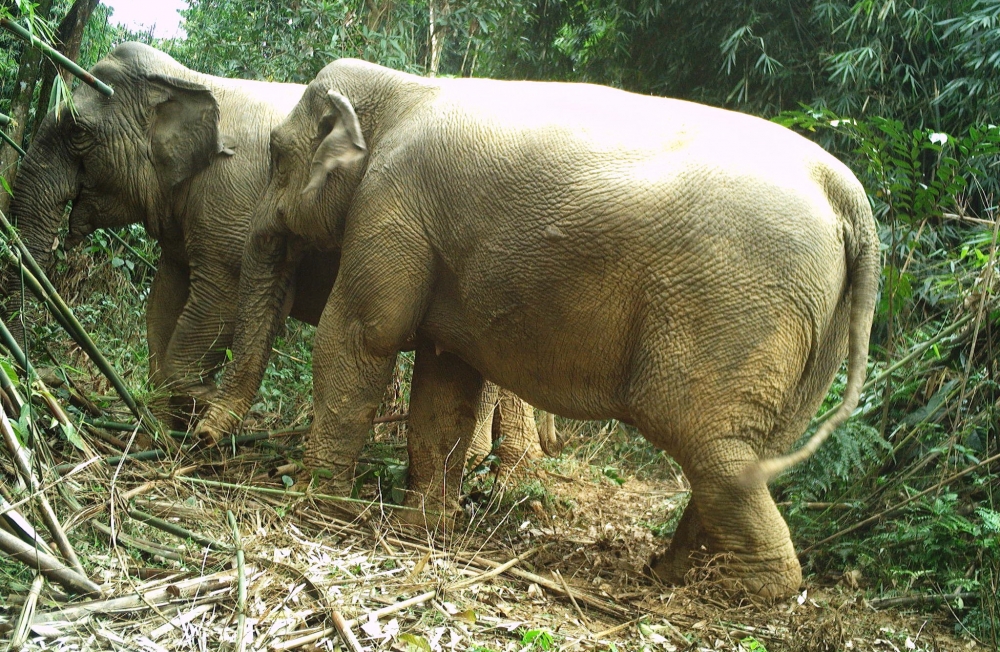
(772,579)
(429,514)
(217,422)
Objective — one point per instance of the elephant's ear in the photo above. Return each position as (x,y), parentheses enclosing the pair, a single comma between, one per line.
(184,128)
(342,143)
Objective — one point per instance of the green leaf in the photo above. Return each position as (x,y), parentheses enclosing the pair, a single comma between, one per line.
(72,435)
(415,643)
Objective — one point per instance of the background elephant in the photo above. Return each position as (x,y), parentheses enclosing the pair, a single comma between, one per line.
(184,154)
(696,272)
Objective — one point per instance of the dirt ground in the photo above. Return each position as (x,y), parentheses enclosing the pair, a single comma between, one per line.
(571,537)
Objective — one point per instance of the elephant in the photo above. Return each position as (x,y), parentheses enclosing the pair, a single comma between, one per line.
(185,154)
(698,273)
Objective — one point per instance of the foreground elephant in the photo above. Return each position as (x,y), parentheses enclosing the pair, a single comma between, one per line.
(698,273)
(184,154)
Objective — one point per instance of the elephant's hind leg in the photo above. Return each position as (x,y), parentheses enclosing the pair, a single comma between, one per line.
(740,523)
(443,401)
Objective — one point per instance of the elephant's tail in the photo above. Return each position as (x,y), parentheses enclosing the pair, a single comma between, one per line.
(549,439)
(861,246)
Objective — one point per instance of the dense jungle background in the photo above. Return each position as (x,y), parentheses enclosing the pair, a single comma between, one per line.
(904,501)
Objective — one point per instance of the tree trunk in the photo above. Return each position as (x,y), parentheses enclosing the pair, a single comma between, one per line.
(20,105)
(439,10)
(69,38)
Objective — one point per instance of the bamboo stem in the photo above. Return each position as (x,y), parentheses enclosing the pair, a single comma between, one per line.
(346,635)
(27,616)
(155,597)
(75,329)
(10,141)
(120,240)
(241,585)
(47,565)
(142,546)
(177,530)
(289,493)
(19,526)
(21,461)
(57,56)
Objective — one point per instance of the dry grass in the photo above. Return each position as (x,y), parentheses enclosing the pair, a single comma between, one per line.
(568,525)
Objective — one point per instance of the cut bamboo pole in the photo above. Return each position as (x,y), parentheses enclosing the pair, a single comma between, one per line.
(10,141)
(20,457)
(177,531)
(74,328)
(241,585)
(57,56)
(142,600)
(47,565)
(27,617)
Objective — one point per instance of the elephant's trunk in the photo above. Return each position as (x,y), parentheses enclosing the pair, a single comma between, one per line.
(265,297)
(46,182)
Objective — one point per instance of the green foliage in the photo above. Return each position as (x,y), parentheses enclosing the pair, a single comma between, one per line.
(538,639)
(851,453)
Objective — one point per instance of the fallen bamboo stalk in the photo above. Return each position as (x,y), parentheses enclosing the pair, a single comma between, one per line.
(21,461)
(47,565)
(180,620)
(406,604)
(499,570)
(910,600)
(241,585)
(330,631)
(20,527)
(76,330)
(589,600)
(290,494)
(27,617)
(562,581)
(177,530)
(115,460)
(346,635)
(22,360)
(142,546)
(138,600)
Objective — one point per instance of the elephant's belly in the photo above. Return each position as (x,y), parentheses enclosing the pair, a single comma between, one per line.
(563,356)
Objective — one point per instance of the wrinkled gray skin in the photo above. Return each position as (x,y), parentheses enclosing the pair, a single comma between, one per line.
(698,273)
(184,154)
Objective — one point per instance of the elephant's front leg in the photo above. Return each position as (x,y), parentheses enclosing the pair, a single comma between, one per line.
(198,345)
(443,418)
(353,362)
(167,296)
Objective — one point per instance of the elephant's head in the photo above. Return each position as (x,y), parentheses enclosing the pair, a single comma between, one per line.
(121,159)
(317,157)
